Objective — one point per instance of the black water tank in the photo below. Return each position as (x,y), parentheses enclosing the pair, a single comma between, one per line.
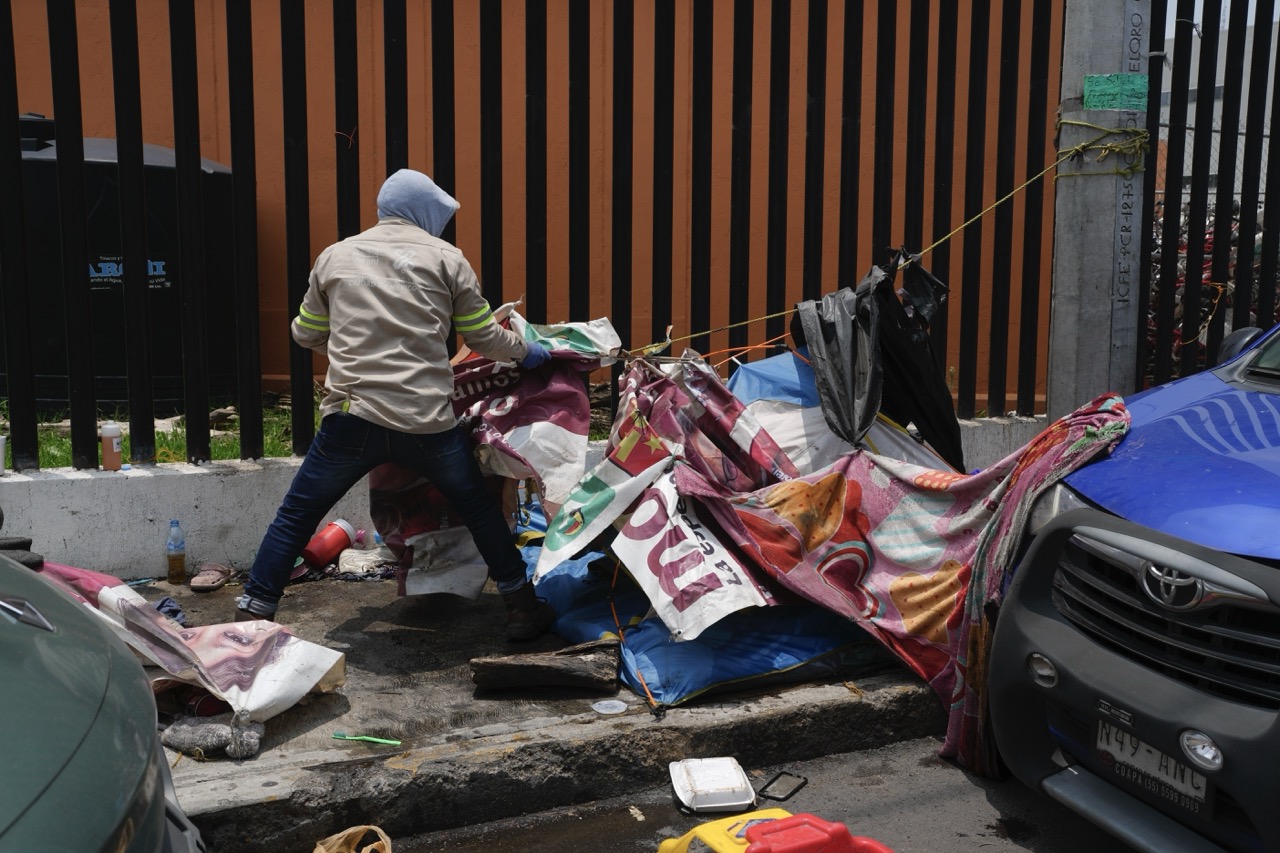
(103,274)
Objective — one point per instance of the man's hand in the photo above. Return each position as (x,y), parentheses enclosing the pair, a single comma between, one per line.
(537,355)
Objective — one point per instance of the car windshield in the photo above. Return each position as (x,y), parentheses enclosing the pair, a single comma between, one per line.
(1267,360)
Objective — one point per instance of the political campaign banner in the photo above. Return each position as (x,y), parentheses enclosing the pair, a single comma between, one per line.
(912,554)
(526,425)
(634,457)
(691,578)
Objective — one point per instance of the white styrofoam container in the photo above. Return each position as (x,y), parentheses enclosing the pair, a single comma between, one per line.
(712,784)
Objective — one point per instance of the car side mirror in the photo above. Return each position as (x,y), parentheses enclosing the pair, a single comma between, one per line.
(1235,343)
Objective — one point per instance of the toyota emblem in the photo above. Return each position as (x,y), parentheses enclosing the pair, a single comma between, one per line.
(1171,588)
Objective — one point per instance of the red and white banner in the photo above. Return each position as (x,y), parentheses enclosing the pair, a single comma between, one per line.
(691,579)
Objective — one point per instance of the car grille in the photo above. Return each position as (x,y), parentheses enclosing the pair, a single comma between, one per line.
(1230,649)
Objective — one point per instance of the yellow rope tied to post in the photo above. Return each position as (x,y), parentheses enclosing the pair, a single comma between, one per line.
(1134,143)
(1220,288)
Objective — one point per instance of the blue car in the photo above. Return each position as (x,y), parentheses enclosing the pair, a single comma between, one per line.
(1135,664)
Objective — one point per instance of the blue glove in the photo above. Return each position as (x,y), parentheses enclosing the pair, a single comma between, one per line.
(536,355)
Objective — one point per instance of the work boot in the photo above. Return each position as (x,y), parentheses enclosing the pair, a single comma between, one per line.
(243,615)
(528,617)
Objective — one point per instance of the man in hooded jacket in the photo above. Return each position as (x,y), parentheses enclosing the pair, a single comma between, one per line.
(381,305)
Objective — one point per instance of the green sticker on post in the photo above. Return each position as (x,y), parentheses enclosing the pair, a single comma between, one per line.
(1115,92)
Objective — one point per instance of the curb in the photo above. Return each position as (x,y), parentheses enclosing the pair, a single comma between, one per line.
(282,801)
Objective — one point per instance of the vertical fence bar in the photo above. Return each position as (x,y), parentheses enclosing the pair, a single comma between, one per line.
(396,84)
(814,150)
(944,131)
(1270,262)
(186,148)
(1171,211)
(974,174)
(15,299)
(664,55)
(443,102)
(700,177)
(346,113)
(65,67)
(850,147)
(244,203)
(1251,171)
(535,158)
(297,204)
(916,109)
(779,113)
(1029,307)
(580,161)
(883,183)
(1002,260)
(1198,208)
(491,150)
(740,180)
(1225,199)
(621,218)
(133,228)
(1146,254)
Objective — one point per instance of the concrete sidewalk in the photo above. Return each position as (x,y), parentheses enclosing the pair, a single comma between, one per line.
(468,756)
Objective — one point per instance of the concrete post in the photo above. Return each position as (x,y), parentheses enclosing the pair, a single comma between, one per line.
(1094,323)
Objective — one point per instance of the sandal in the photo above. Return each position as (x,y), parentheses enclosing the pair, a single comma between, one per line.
(211,576)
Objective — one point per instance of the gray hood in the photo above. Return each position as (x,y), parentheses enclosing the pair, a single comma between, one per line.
(411,195)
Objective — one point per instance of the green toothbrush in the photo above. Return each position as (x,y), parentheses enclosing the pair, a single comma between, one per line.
(367,738)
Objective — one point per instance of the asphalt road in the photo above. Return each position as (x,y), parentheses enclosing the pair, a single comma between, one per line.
(903,796)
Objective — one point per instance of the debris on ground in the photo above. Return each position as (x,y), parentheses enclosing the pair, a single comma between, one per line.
(591,665)
(207,736)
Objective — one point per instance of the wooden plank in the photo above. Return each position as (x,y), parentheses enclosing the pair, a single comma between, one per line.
(592,665)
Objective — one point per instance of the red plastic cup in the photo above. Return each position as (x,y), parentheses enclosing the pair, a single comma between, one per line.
(326,545)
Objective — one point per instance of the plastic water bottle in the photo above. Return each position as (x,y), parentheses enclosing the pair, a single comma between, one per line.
(176,551)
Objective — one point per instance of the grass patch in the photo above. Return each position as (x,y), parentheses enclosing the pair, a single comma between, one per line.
(171,445)
(54,438)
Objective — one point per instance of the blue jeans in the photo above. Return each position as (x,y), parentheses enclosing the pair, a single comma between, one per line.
(344,450)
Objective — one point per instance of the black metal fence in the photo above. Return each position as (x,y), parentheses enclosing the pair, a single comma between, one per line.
(1214,242)
(944,73)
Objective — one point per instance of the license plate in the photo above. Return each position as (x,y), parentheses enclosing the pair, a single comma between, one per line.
(1148,768)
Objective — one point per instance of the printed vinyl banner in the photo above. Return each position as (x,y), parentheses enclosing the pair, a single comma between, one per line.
(257,667)
(711,518)
(526,425)
(912,554)
(635,458)
(692,580)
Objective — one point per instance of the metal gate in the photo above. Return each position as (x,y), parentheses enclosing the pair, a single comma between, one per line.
(699,164)
(1214,241)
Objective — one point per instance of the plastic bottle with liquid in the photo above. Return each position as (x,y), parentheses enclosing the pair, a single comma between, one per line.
(110,435)
(176,551)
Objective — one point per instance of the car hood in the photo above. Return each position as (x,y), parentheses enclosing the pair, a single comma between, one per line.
(1201,461)
(54,684)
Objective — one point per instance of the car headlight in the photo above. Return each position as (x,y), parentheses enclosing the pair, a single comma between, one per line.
(1056,500)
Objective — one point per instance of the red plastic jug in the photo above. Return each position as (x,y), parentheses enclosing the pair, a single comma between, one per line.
(807,833)
(326,545)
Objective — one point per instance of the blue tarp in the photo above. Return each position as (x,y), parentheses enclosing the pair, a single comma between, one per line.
(785,377)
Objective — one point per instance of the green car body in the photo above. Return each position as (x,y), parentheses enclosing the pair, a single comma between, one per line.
(83,766)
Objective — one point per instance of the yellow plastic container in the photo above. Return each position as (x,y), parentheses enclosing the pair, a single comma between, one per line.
(726,835)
